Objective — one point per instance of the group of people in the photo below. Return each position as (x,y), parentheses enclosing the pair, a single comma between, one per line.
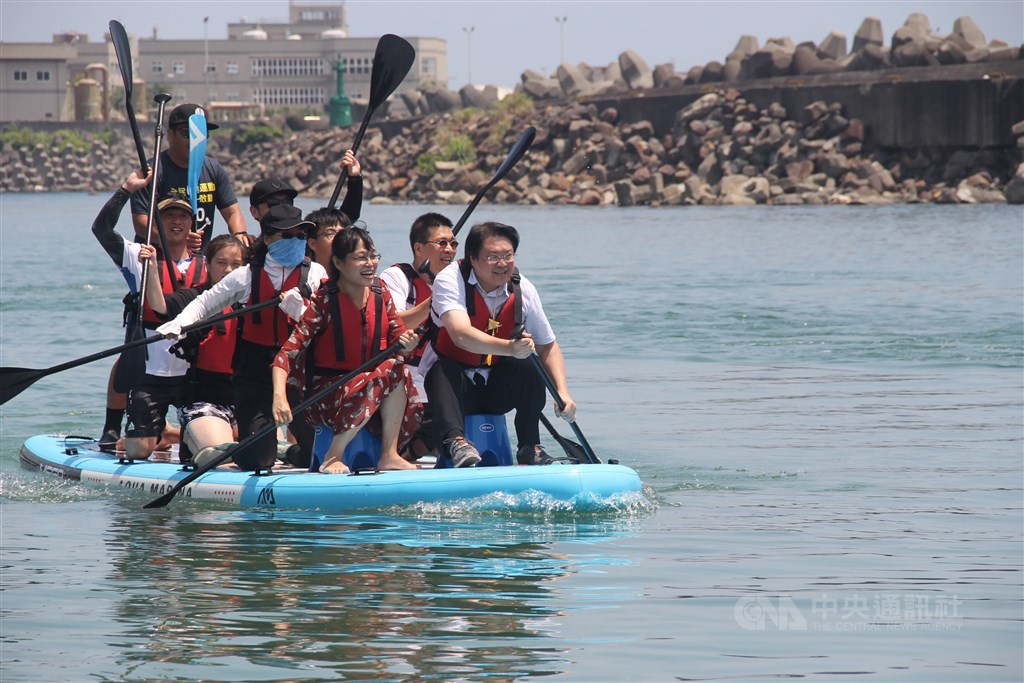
(319,312)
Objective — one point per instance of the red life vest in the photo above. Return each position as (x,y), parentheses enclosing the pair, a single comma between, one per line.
(476,308)
(419,290)
(353,335)
(218,348)
(193,277)
(270,328)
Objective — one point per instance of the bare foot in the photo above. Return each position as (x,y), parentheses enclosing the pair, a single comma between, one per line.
(395,462)
(334,467)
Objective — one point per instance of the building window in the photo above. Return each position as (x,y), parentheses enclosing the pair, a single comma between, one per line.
(290,96)
(428,66)
(158,67)
(42,75)
(178,67)
(287,68)
(231,68)
(211,67)
(21,75)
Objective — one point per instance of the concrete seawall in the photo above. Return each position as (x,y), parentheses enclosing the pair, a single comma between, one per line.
(968,106)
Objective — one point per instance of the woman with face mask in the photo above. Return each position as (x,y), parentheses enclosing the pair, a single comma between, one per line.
(278,269)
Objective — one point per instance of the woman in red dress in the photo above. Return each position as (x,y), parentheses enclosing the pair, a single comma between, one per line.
(350,319)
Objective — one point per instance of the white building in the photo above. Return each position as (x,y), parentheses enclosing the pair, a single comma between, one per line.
(261,67)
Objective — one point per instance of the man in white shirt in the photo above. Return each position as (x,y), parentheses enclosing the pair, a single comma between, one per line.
(433,248)
(477,362)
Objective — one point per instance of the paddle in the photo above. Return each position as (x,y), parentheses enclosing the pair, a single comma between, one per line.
(515,154)
(123,50)
(391,63)
(268,429)
(132,364)
(196,157)
(13,381)
(550,384)
(571,448)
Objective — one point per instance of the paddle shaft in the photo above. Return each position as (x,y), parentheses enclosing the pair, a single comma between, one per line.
(355,148)
(31,376)
(268,429)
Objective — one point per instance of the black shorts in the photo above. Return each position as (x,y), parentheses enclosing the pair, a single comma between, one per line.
(148,404)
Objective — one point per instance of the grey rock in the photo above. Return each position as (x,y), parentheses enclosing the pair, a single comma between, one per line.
(471,97)
(950,52)
(694,74)
(442,99)
(833,46)
(745,46)
(965,28)
(662,74)
(1014,191)
(869,33)
(919,24)
(635,71)
(572,81)
(912,54)
(712,73)
(731,70)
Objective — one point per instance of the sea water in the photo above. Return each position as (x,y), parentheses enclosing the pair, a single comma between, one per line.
(824,404)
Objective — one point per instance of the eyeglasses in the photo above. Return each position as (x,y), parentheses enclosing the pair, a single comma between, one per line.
(443,244)
(366,258)
(271,202)
(183,132)
(331,233)
(507,257)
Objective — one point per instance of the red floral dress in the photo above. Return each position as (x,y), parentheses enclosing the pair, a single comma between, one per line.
(352,403)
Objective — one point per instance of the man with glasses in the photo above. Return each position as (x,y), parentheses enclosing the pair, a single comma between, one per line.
(433,243)
(477,361)
(215,191)
(327,223)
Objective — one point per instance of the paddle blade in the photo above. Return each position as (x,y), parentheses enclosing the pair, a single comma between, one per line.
(516,153)
(196,156)
(131,366)
(123,50)
(391,64)
(13,381)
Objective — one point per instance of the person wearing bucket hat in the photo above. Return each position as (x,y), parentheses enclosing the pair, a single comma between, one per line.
(163,382)
(215,190)
(278,269)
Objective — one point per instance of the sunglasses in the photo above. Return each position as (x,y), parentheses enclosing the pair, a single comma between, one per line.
(271,202)
(443,244)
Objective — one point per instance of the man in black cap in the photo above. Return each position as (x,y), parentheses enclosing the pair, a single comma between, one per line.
(274,190)
(215,191)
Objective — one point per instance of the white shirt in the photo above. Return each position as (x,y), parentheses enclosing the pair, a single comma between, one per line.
(449,293)
(159,360)
(398,285)
(237,286)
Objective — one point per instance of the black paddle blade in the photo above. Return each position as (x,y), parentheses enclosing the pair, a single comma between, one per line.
(571,448)
(391,64)
(13,381)
(119,37)
(516,153)
(131,366)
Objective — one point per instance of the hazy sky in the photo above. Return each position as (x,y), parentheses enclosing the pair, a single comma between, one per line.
(509,37)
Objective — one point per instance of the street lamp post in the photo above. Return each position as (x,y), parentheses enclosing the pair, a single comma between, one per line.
(206,62)
(561,38)
(469,53)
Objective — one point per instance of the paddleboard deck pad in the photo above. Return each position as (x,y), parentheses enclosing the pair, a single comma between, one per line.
(588,486)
